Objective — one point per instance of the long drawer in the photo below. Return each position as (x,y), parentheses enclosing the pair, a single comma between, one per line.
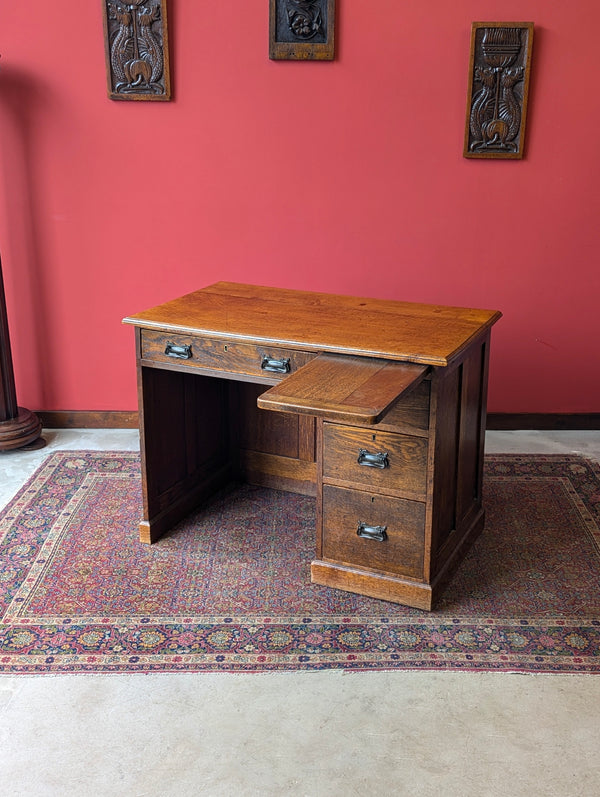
(270,362)
(393,463)
(363,529)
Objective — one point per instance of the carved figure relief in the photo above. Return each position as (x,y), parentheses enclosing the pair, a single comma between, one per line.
(301,29)
(304,18)
(136,43)
(498,89)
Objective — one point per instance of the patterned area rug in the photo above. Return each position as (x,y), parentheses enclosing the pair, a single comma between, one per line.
(229,589)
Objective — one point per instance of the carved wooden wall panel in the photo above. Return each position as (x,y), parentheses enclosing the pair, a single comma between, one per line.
(302,29)
(137,49)
(498,89)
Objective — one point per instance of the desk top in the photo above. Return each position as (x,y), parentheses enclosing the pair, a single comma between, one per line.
(419,333)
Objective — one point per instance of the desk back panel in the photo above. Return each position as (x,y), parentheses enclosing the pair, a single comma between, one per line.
(271,449)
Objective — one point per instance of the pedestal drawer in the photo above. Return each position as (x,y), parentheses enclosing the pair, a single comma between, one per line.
(363,529)
(270,362)
(379,460)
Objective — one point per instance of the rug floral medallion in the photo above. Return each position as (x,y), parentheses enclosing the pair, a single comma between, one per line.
(229,589)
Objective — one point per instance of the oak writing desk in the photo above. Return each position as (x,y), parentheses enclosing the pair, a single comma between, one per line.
(375,407)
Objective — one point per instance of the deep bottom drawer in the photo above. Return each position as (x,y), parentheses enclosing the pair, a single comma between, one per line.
(392,531)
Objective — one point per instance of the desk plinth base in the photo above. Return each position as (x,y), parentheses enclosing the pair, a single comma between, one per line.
(385,588)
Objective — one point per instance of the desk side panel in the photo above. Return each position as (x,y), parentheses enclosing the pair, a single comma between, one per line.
(184,445)
(458,421)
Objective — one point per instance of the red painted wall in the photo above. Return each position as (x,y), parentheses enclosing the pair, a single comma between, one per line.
(345,176)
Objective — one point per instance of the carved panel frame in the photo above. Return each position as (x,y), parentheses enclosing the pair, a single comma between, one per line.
(498,90)
(136,45)
(302,30)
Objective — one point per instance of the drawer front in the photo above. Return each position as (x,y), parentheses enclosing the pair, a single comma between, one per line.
(270,362)
(392,534)
(378,460)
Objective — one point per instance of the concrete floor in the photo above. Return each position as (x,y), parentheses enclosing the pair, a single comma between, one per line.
(315,734)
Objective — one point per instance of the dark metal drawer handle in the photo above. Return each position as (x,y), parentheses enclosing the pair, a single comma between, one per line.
(379,460)
(277,366)
(179,352)
(378,533)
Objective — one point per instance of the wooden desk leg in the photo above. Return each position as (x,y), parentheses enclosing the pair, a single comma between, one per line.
(184,444)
